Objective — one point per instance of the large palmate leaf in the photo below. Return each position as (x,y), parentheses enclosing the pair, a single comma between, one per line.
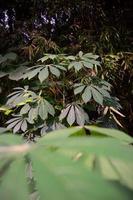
(83,61)
(18,123)
(45,108)
(110,133)
(17,73)
(20,96)
(42,110)
(96,92)
(74,114)
(38,108)
(76,65)
(72,168)
(53,57)
(43,71)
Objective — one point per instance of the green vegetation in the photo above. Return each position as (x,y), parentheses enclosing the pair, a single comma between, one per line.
(61,91)
(66,90)
(66,164)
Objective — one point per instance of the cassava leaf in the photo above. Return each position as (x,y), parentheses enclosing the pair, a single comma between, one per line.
(88,64)
(43,74)
(17,127)
(24,126)
(71,116)
(60,67)
(77,65)
(79,89)
(12,124)
(74,167)
(50,108)
(32,73)
(81,116)
(32,115)
(25,109)
(110,133)
(86,96)
(97,96)
(64,112)
(55,71)
(42,110)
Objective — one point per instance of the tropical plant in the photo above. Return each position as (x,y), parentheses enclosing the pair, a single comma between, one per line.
(62,90)
(67,164)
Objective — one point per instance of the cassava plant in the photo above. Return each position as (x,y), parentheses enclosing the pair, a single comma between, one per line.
(59,91)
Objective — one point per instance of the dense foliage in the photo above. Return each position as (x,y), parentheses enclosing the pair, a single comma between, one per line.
(62,90)
(66,64)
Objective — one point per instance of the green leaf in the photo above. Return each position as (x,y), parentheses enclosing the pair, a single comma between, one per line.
(32,115)
(61,176)
(18,73)
(71,116)
(97,96)
(80,54)
(90,55)
(59,134)
(42,110)
(71,65)
(54,71)
(14,182)
(60,67)
(81,116)
(77,65)
(43,59)
(52,56)
(79,89)
(88,64)
(70,57)
(17,127)
(3,130)
(64,112)
(104,92)
(86,96)
(110,132)
(124,172)
(12,124)
(13,98)
(50,108)
(77,84)
(94,62)
(43,74)
(32,73)
(74,167)
(10,139)
(24,126)
(25,109)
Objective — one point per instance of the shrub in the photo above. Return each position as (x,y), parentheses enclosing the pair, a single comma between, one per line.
(61,91)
